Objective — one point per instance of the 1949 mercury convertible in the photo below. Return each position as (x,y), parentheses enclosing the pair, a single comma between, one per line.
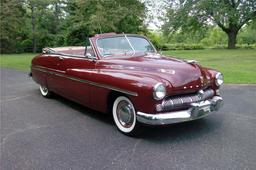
(124,74)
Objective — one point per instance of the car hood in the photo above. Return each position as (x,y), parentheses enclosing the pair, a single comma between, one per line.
(180,74)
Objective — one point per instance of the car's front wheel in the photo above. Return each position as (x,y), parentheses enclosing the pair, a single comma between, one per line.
(45,91)
(124,115)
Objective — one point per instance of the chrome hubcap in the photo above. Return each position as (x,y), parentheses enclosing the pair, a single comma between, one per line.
(45,90)
(125,114)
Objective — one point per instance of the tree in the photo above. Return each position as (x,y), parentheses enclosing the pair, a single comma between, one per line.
(229,15)
(44,20)
(247,34)
(11,21)
(36,10)
(89,17)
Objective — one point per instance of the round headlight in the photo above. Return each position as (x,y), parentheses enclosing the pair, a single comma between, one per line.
(159,91)
(219,79)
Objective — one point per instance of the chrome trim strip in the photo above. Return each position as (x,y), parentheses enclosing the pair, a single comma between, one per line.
(43,69)
(181,101)
(175,102)
(46,68)
(70,56)
(94,50)
(196,111)
(171,102)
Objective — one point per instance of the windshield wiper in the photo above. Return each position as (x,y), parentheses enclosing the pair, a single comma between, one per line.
(129,43)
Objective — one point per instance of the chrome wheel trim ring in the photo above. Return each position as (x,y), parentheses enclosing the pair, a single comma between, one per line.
(44,91)
(124,114)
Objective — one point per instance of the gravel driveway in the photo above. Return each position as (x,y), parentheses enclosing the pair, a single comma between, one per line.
(39,133)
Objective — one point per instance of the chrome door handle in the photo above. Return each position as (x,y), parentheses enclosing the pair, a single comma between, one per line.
(61,58)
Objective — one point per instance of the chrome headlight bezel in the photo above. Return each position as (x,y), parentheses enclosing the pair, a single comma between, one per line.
(159,91)
(219,79)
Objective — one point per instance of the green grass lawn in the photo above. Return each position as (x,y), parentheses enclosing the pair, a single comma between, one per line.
(16,61)
(238,66)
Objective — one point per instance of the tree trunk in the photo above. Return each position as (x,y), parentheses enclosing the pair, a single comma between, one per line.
(232,34)
(56,16)
(33,22)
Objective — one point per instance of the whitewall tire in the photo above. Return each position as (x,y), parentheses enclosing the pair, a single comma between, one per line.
(124,116)
(45,91)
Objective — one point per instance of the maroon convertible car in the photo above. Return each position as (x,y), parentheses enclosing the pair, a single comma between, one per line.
(124,74)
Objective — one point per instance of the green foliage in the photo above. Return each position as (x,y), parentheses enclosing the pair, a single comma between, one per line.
(230,16)
(156,38)
(90,17)
(209,37)
(11,22)
(182,46)
(214,37)
(30,25)
(44,20)
(247,34)
(188,37)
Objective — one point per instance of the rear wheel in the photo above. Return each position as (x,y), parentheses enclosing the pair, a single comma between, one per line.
(45,91)
(124,116)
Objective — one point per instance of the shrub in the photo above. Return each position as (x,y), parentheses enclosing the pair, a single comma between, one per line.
(182,46)
(156,39)
(246,46)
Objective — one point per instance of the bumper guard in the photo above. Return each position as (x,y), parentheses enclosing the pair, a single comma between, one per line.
(196,111)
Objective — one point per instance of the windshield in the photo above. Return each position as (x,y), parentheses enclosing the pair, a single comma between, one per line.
(123,45)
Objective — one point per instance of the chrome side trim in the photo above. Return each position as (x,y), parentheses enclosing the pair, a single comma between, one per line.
(46,69)
(43,69)
(94,50)
(196,111)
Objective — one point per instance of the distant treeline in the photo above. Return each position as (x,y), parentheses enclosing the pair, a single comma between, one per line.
(203,38)
(30,25)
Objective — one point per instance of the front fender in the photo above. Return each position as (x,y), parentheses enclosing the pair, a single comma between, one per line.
(137,86)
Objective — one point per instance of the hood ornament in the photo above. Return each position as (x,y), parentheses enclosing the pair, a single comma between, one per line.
(201,79)
(191,61)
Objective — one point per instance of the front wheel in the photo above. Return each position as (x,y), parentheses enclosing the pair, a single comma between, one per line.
(124,116)
(45,91)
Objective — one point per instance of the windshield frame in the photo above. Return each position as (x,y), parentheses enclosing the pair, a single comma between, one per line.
(125,36)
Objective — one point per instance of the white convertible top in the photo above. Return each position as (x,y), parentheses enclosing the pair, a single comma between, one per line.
(73,50)
(69,50)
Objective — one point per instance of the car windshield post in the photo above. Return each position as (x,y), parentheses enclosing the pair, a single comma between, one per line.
(129,43)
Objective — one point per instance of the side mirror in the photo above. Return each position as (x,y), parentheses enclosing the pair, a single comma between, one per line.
(89,55)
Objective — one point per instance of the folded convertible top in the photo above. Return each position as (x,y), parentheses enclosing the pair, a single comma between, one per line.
(70,50)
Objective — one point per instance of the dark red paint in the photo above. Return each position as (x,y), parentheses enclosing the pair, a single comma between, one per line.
(137,74)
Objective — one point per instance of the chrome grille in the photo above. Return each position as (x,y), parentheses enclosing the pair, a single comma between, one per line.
(184,101)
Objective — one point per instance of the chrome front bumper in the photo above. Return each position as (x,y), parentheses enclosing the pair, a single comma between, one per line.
(196,111)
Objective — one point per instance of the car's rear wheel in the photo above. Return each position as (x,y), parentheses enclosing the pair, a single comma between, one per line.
(45,91)
(124,115)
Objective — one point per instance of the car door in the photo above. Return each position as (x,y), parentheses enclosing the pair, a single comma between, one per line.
(76,73)
(51,64)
